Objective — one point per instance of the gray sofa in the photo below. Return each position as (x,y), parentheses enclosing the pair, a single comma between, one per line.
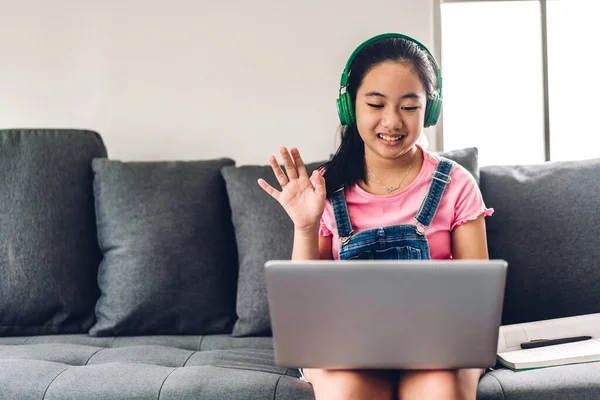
(143,280)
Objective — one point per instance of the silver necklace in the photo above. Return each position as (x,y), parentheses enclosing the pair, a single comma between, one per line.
(390,189)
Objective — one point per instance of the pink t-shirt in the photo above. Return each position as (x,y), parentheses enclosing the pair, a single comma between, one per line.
(460,203)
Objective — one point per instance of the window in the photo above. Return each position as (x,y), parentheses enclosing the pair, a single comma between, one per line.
(496,58)
(574,82)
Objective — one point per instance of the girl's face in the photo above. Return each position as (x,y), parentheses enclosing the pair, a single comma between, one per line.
(390,110)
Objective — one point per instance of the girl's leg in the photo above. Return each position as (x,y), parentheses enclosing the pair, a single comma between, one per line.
(459,384)
(351,384)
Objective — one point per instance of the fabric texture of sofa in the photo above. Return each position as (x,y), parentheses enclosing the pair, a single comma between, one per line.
(143,280)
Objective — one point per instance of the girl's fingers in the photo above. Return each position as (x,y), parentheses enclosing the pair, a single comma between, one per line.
(300,167)
(319,183)
(268,188)
(290,168)
(281,178)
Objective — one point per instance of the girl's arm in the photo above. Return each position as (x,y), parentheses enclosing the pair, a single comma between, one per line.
(311,246)
(469,240)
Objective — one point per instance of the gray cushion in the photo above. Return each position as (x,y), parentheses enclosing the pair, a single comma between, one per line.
(170,261)
(187,342)
(265,232)
(546,225)
(577,381)
(140,370)
(50,255)
(233,384)
(468,158)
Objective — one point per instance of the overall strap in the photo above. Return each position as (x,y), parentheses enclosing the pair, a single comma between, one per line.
(441,179)
(340,212)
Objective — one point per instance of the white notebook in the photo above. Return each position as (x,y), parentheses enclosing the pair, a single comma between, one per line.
(510,338)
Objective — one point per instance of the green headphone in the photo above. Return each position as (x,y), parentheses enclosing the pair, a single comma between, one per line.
(433,107)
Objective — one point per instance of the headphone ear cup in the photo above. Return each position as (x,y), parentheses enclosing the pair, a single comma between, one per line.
(345,112)
(433,110)
(341,110)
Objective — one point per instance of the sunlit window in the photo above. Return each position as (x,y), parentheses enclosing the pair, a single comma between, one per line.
(494,82)
(574,83)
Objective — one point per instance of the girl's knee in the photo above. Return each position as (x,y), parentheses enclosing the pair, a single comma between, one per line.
(450,384)
(433,377)
(343,384)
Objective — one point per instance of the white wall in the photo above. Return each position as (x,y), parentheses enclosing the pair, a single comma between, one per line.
(188,79)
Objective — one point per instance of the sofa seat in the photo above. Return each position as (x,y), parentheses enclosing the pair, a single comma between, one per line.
(213,367)
(144,367)
(576,381)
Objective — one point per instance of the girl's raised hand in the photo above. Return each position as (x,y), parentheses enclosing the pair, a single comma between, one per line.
(303,201)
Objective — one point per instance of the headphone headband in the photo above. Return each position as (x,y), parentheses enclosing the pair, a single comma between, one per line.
(438,72)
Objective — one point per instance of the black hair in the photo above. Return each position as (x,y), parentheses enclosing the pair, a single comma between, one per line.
(347,166)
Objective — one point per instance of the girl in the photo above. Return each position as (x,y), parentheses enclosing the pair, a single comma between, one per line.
(382,180)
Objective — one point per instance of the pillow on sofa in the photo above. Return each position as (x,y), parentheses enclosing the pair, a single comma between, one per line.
(170,261)
(546,225)
(265,232)
(49,252)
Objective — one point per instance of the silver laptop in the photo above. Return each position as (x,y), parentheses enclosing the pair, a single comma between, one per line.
(386,314)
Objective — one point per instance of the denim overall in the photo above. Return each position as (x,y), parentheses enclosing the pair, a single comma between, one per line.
(396,242)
